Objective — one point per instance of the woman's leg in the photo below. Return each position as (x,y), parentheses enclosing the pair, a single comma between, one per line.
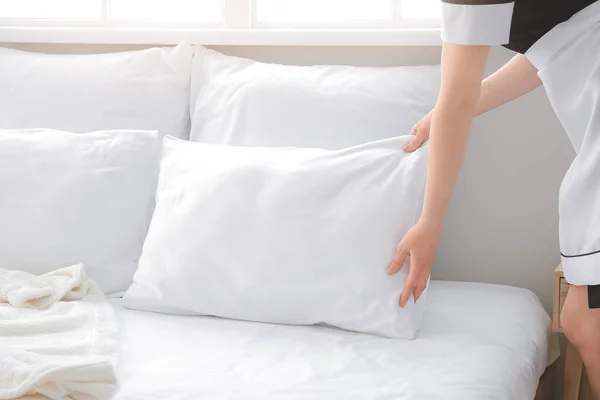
(581,325)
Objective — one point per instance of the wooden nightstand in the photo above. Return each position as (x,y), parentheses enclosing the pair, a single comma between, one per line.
(576,384)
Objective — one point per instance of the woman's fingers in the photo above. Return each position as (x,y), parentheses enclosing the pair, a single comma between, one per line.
(419,245)
(420,132)
(398,261)
(419,290)
(417,142)
(408,290)
(413,287)
(415,128)
(415,283)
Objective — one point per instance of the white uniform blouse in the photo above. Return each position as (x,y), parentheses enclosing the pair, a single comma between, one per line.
(517,24)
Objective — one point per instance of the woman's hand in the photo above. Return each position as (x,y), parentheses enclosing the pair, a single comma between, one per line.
(419,244)
(420,132)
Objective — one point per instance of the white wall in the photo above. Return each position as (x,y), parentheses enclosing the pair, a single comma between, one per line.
(502,225)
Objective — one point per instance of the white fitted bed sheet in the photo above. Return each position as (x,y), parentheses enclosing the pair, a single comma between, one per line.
(477,342)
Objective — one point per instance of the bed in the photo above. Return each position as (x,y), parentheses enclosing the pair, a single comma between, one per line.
(477,341)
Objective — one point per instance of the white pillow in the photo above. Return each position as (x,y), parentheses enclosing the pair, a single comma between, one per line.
(147,89)
(238,101)
(68,199)
(291,236)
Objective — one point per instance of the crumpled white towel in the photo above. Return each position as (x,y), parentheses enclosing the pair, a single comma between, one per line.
(65,351)
(23,290)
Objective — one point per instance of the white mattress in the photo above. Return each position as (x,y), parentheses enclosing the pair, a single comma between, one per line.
(477,342)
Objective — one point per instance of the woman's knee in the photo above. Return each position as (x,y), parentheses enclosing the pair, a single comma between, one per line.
(580,324)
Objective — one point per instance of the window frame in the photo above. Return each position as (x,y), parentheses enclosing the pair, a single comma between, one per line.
(239,26)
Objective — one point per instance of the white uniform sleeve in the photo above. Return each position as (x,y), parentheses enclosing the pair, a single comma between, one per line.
(477,22)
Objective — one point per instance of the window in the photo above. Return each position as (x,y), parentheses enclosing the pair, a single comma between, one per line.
(350,13)
(75,9)
(167,10)
(421,9)
(226,17)
(199,12)
(324,10)
(299,12)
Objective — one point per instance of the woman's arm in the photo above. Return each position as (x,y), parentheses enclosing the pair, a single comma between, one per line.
(462,68)
(462,72)
(515,79)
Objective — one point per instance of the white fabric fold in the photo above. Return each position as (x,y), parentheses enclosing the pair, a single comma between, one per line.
(23,290)
(58,337)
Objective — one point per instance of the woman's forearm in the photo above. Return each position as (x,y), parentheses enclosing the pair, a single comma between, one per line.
(447,145)
(463,68)
(515,79)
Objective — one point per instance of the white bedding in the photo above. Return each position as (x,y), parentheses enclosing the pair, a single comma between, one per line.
(477,342)
(58,337)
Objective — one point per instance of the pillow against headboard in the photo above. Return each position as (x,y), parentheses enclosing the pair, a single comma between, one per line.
(239,101)
(146,89)
(68,199)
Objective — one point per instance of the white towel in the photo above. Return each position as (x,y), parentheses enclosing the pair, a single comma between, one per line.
(24,290)
(66,350)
